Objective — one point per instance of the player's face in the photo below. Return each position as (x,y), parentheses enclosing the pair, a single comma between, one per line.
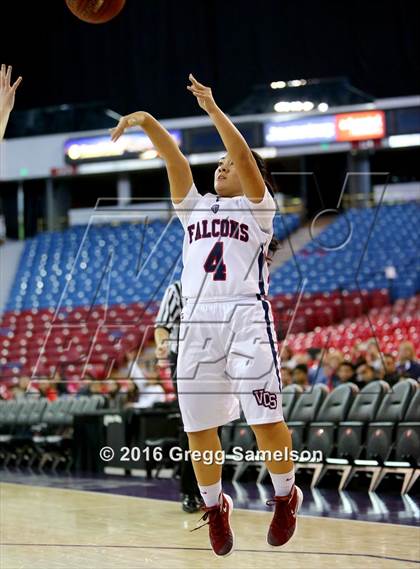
(226,179)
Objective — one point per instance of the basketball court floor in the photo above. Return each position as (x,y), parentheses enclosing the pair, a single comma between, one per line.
(54,522)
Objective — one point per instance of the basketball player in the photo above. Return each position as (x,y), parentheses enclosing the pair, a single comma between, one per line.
(228,350)
(167,325)
(7,96)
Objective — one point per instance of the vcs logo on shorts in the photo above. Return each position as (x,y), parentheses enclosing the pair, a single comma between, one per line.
(265,398)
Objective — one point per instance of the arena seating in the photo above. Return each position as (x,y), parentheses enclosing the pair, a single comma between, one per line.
(391,325)
(83,297)
(104,264)
(304,412)
(321,433)
(374,430)
(37,431)
(353,252)
(296,314)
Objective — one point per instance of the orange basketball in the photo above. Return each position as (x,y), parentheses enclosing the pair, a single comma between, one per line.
(95,11)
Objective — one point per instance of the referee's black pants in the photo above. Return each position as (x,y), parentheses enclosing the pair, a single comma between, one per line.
(188,481)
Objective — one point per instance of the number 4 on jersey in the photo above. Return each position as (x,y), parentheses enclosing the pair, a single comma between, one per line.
(214,262)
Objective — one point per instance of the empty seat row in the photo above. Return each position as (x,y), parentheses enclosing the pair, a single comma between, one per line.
(34,431)
(346,427)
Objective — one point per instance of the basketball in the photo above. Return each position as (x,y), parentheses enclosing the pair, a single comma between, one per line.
(95,11)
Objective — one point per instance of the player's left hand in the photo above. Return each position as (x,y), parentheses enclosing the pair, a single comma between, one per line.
(203,94)
(7,91)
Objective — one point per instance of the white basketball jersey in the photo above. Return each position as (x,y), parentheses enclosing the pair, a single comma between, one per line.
(225,244)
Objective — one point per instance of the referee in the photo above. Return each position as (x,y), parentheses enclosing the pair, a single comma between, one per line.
(166,338)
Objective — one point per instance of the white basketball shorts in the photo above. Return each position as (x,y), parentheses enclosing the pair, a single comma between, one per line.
(228,355)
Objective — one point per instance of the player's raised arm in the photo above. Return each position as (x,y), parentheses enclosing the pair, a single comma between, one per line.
(7,96)
(251,179)
(177,166)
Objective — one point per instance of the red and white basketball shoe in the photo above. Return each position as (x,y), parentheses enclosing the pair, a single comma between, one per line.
(283,524)
(220,532)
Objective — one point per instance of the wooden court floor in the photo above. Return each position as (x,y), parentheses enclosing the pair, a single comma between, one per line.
(45,528)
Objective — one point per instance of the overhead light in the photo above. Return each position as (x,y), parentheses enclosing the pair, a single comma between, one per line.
(295,83)
(293,106)
(404,140)
(148,154)
(278,84)
(281,107)
(323,107)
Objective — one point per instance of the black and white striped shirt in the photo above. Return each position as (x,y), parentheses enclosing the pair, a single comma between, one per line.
(169,315)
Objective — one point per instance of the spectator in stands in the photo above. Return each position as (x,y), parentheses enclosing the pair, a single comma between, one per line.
(116,398)
(286,376)
(373,356)
(150,392)
(91,385)
(407,365)
(46,389)
(7,96)
(130,367)
(357,354)
(345,372)
(391,374)
(59,383)
(316,369)
(149,388)
(287,358)
(301,376)
(25,388)
(131,393)
(365,374)
(332,362)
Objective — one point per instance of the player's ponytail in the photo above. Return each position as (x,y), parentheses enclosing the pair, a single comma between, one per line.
(262,166)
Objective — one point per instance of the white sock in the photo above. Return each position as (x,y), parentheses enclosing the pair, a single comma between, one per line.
(283,483)
(211,494)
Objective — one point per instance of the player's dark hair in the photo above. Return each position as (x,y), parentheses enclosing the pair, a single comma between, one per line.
(274,244)
(265,173)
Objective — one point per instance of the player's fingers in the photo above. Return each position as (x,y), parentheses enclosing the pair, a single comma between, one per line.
(16,83)
(119,129)
(2,75)
(8,74)
(197,95)
(196,92)
(195,82)
(115,133)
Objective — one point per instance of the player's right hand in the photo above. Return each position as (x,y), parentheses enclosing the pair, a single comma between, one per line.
(134,119)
